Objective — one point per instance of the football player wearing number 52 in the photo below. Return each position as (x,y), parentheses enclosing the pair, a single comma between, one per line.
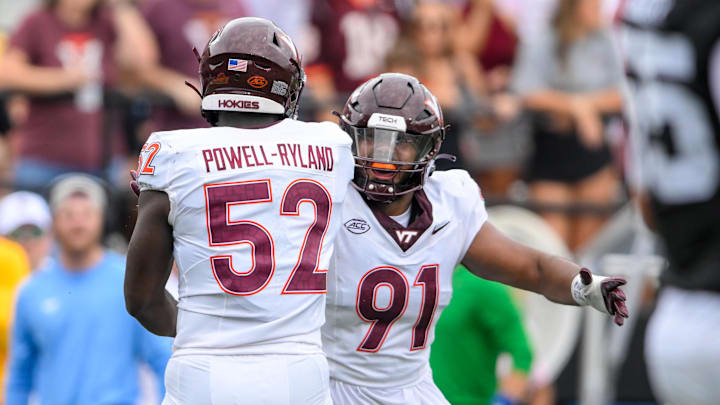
(249,210)
(406,229)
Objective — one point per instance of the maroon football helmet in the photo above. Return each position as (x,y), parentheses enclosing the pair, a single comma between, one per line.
(250,65)
(397,129)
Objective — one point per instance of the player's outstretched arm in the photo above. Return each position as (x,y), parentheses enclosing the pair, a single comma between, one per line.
(494,256)
(149,263)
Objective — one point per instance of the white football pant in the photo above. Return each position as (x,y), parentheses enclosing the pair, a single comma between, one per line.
(682,347)
(423,393)
(248,379)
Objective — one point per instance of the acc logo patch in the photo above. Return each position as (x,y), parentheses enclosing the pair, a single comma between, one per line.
(357,226)
(257,82)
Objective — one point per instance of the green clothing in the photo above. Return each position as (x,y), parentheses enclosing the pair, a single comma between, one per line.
(480,323)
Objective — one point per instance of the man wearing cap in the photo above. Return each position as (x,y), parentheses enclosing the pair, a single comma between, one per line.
(25,218)
(72,340)
(25,222)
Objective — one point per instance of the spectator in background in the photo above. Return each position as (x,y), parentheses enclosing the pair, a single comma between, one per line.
(348,43)
(454,77)
(292,16)
(571,78)
(5,125)
(178,26)
(62,56)
(14,267)
(5,154)
(531,17)
(442,67)
(480,323)
(673,63)
(25,218)
(72,340)
(488,32)
(495,149)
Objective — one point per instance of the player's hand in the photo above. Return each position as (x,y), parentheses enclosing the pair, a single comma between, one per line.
(133,183)
(602,293)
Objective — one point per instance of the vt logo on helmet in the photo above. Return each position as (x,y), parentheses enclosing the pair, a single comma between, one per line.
(250,65)
(397,129)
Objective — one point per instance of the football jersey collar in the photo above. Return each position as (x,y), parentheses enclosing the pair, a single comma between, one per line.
(421,219)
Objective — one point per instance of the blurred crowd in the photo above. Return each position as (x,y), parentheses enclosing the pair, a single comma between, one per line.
(531,90)
(531,93)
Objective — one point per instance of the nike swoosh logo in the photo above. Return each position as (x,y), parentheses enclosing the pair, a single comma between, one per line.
(213,67)
(439,228)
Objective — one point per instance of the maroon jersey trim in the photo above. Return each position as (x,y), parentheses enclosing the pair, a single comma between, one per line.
(422,218)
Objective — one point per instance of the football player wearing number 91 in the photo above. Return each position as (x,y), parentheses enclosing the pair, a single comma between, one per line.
(406,229)
(249,210)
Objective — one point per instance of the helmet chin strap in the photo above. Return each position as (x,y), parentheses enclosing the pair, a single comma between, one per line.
(199,58)
(192,86)
(442,156)
(446,156)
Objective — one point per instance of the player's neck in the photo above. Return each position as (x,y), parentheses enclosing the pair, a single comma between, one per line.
(247,120)
(397,207)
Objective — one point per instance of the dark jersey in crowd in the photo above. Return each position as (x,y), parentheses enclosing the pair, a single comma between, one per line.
(673,51)
(180,25)
(353,39)
(66,129)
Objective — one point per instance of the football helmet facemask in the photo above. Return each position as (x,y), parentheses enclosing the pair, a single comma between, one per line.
(397,129)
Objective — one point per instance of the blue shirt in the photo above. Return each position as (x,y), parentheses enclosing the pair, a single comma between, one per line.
(73,342)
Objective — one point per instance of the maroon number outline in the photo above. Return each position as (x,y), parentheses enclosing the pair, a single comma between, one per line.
(424,319)
(289,287)
(219,262)
(373,322)
(222,265)
(428,306)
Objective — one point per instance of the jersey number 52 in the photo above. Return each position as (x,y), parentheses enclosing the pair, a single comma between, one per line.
(305,277)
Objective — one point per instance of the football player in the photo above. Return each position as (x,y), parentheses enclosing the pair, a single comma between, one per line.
(249,210)
(405,232)
(673,65)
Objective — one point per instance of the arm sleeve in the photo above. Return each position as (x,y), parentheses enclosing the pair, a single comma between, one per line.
(23,38)
(344,158)
(23,356)
(155,351)
(155,164)
(476,214)
(504,322)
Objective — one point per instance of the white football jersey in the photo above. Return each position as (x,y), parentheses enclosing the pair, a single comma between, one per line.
(388,284)
(254,213)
